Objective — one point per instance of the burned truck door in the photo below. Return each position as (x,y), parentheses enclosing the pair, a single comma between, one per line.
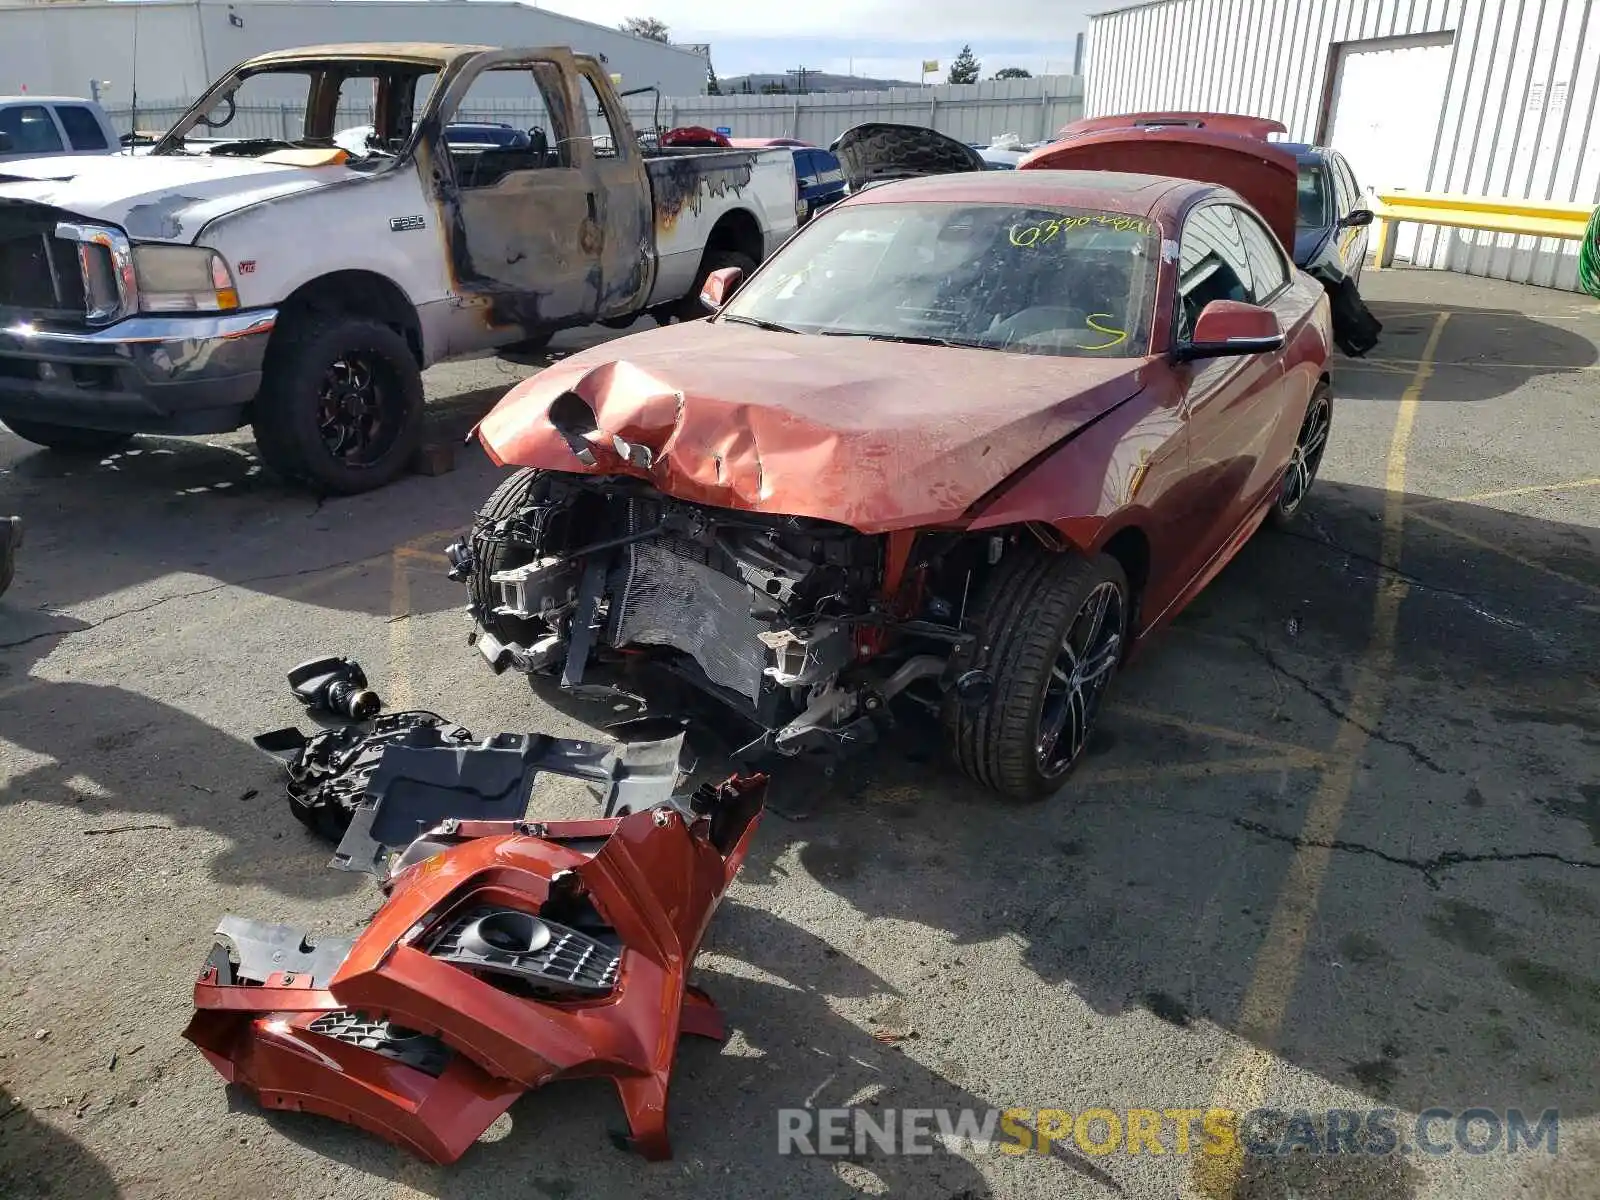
(527,243)
(622,196)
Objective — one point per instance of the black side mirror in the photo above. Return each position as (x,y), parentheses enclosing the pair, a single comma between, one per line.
(1357,218)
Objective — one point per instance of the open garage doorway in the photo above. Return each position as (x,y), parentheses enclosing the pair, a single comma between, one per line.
(1383,113)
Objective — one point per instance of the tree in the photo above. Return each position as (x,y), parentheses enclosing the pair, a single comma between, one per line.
(966,67)
(645,27)
(1013,73)
(776,88)
(713,86)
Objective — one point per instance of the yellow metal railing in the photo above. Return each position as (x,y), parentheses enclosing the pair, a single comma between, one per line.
(1498,214)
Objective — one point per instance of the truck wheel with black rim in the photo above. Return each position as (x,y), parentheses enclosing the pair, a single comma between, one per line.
(690,308)
(1052,630)
(490,555)
(66,439)
(340,407)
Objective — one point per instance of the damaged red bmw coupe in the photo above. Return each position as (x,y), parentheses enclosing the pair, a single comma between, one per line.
(966,440)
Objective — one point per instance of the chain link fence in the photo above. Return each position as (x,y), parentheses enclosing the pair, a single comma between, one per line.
(1033,109)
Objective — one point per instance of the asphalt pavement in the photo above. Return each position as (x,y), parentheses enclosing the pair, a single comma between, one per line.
(1337,846)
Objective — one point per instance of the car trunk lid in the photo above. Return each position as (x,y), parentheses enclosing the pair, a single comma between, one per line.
(1222,148)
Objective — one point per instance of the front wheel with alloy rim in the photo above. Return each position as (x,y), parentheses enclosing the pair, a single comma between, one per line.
(1306,458)
(1052,631)
(340,407)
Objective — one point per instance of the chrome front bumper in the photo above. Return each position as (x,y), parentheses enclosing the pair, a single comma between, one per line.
(145,374)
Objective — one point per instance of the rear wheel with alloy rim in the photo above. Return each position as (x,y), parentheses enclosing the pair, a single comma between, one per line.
(1052,631)
(1306,458)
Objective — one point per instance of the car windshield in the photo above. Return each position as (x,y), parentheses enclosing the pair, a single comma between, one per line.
(1313,197)
(1007,277)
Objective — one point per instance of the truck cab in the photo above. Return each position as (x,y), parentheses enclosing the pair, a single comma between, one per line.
(260,265)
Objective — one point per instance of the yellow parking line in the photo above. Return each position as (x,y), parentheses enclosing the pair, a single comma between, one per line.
(1242,1081)
(1218,732)
(1470,362)
(1504,552)
(1473,498)
(1201,770)
(400,690)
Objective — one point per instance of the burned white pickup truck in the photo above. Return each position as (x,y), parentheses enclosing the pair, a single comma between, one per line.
(258,266)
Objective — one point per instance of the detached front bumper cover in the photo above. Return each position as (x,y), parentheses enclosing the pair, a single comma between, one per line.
(506,955)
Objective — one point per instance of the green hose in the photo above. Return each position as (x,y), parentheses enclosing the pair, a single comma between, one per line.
(1589,257)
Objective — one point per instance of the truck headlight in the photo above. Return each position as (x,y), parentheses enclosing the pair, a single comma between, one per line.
(183,279)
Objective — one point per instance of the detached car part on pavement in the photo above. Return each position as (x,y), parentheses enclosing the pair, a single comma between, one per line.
(507,954)
(966,440)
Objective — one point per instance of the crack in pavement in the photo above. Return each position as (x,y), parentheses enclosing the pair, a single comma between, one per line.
(1416,752)
(215,587)
(1328,542)
(1427,866)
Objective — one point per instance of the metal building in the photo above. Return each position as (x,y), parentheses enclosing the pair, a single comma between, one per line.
(173,48)
(1489,97)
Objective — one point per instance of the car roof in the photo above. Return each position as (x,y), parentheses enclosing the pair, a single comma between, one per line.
(1108,191)
(1305,151)
(31,99)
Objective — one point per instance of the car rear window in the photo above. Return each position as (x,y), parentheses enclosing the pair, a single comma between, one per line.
(1023,279)
(83,130)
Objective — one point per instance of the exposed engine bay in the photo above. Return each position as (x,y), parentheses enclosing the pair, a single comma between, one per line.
(805,626)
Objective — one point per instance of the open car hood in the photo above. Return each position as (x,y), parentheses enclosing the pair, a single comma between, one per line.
(877,151)
(1222,148)
(875,435)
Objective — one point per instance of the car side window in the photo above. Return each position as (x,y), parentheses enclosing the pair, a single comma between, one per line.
(1344,197)
(602,132)
(1349,180)
(804,167)
(828,169)
(1213,264)
(83,131)
(32,129)
(1269,274)
(483,157)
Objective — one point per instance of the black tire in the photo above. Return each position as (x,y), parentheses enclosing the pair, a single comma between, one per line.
(1310,443)
(488,556)
(340,407)
(67,439)
(1026,610)
(690,308)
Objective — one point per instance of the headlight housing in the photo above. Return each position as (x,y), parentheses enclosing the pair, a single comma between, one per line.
(183,279)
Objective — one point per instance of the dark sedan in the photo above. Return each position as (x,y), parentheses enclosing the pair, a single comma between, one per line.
(1330,237)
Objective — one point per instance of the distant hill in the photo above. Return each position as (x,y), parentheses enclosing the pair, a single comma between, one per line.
(816,81)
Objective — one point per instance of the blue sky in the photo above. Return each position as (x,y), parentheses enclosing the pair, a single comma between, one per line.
(884,38)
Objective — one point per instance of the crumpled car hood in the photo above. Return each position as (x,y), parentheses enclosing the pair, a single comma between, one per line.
(875,435)
(165,198)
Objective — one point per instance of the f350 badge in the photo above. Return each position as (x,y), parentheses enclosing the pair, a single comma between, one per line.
(402,224)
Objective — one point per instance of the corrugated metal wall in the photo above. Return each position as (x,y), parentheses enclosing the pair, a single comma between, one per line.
(1521,112)
(1030,108)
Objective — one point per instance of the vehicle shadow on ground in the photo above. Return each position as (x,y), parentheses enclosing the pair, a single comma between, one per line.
(778,986)
(38,1160)
(1492,352)
(127,765)
(1452,956)
(168,506)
